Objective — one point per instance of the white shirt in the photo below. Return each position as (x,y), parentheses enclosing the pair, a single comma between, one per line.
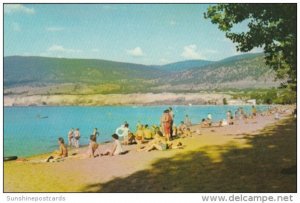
(119,148)
(124,131)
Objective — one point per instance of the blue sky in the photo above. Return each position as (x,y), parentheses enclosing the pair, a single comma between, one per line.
(138,33)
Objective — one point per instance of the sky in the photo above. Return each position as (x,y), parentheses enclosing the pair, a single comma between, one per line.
(137,33)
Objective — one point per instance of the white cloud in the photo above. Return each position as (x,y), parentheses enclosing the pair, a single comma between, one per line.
(54,29)
(59,48)
(16,27)
(137,51)
(191,52)
(95,50)
(17,8)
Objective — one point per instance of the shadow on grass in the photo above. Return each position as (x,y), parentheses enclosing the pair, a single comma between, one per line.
(254,169)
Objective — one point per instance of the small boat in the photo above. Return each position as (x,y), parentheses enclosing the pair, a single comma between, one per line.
(10,158)
(41,117)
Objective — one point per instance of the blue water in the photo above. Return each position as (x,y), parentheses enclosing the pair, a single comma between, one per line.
(25,134)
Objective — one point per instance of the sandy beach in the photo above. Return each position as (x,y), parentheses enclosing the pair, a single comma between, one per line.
(245,157)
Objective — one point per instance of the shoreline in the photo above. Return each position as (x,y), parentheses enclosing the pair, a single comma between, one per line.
(119,173)
(116,99)
(84,146)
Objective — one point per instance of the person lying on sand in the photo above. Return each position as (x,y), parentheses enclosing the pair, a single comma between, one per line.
(187,133)
(160,143)
(61,153)
(116,149)
(93,149)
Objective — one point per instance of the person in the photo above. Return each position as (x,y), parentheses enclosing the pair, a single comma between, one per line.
(139,124)
(209,117)
(237,114)
(228,115)
(61,153)
(147,133)
(96,133)
(93,149)
(167,124)
(139,137)
(171,113)
(223,123)
(187,133)
(231,122)
(71,137)
(254,111)
(123,131)
(76,137)
(205,123)
(175,131)
(187,121)
(181,128)
(160,143)
(117,148)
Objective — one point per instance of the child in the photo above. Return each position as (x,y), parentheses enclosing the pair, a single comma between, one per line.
(93,150)
(116,149)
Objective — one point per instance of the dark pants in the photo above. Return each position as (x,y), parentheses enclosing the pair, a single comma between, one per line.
(171,130)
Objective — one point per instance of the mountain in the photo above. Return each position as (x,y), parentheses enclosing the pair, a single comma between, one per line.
(44,75)
(238,72)
(20,70)
(184,65)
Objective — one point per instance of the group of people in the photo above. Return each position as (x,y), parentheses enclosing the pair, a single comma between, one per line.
(73,137)
(148,138)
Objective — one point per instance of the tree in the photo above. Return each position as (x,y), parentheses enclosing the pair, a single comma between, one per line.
(271,26)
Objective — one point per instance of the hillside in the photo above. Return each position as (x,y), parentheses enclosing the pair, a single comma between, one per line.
(54,76)
(239,72)
(184,65)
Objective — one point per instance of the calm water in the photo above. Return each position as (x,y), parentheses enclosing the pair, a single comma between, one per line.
(25,134)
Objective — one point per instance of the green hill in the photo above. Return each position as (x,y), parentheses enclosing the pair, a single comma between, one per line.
(44,75)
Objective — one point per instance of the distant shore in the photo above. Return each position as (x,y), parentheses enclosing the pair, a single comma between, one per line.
(116,99)
(254,152)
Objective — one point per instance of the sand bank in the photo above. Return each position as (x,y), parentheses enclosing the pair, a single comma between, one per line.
(115,99)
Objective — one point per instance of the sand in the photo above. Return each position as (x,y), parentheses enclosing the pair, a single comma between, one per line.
(239,158)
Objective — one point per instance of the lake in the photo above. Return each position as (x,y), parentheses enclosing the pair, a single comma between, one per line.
(27,133)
